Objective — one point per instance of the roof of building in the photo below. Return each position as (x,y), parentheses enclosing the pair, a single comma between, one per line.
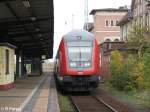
(8,45)
(109,10)
(125,19)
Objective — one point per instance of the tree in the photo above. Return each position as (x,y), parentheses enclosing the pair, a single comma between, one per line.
(139,38)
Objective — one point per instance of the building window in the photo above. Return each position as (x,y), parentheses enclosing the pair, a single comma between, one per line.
(117,22)
(112,23)
(116,40)
(7,61)
(107,40)
(106,23)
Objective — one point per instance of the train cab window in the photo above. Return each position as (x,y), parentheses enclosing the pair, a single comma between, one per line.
(80,54)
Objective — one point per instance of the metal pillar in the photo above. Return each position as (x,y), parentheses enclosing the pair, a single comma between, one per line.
(32,66)
(36,67)
(40,67)
(17,65)
(41,71)
(22,63)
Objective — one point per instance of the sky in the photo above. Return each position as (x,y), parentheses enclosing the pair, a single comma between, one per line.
(69,14)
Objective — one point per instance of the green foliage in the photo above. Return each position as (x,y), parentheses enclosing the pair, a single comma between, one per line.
(141,98)
(137,35)
(146,62)
(139,38)
(131,74)
(116,63)
(121,79)
(138,75)
(129,80)
(128,64)
(123,82)
(64,103)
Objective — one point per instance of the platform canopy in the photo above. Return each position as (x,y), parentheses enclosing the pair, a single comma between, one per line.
(29,25)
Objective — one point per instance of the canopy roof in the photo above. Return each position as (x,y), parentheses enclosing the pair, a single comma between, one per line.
(28,24)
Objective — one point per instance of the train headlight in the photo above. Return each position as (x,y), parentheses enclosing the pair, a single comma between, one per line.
(87,64)
(60,78)
(73,64)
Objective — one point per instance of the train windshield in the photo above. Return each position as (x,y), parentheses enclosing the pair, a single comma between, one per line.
(80,54)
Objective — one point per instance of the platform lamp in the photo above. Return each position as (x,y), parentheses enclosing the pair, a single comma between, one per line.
(26,3)
(39,35)
(37,29)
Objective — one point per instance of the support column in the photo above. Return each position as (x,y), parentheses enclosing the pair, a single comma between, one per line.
(21,64)
(32,66)
(40,66)
(17,65)
(41,71)
(36,67)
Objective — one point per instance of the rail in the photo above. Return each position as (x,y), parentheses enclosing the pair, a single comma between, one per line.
(90,103)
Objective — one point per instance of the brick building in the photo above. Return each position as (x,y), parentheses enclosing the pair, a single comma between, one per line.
(107,33)
(105,21)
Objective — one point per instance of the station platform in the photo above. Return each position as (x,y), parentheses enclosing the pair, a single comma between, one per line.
(31,94)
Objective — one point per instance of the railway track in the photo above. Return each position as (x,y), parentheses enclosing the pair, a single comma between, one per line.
(90,104)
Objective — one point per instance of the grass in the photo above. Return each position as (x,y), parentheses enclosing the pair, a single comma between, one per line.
(139,98)
(64,103)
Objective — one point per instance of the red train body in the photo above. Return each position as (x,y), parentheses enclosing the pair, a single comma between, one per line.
(77,62)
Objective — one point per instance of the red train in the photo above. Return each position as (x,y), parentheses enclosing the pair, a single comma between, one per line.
(77,62)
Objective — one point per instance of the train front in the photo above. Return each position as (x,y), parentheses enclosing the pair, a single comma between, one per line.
(82,57)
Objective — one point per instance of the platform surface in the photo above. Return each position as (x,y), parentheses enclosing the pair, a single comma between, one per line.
(31,94)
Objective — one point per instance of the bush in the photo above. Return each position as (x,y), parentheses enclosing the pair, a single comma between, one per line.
(146,62)
(137,73)
(128,74)
(116,63)
(123,82)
